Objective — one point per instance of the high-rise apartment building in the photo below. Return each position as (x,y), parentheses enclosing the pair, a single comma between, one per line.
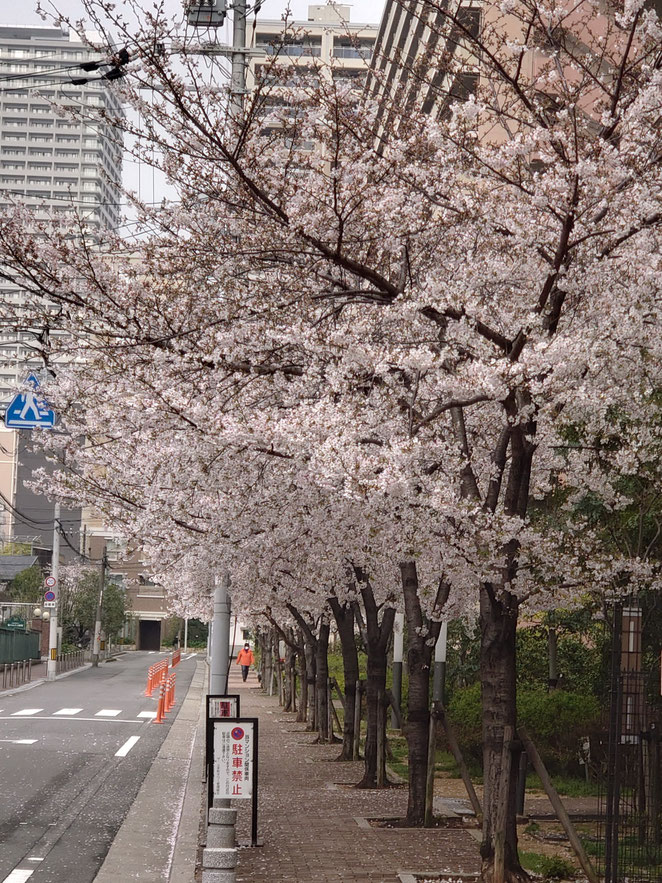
(48,159)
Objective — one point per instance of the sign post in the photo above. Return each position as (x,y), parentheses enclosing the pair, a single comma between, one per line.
(219,707)
(234,764)
(28,410)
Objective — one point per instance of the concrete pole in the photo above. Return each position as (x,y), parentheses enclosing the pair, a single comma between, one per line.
(238,77)
(96,647)
(439,680)
(220,644)
(51,666)
(186,635)
(398,647)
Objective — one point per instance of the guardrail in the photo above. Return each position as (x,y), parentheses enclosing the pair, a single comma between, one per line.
(16,673)
(69,661)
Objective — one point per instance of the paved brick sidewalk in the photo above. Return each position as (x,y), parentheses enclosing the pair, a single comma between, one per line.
(308,814)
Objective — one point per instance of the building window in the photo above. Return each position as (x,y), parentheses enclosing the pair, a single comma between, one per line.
(346,47)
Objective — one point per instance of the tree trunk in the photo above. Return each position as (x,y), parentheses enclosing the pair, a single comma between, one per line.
(344,616)
(303,680)
(309,653)
(321,680)
(375,689)
(498,622)
(378,635)
(416,730)
(263,640)
(290,668)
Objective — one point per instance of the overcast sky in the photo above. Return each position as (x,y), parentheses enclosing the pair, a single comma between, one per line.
(362,10)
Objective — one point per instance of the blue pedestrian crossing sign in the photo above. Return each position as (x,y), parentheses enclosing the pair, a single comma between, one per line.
(28,410)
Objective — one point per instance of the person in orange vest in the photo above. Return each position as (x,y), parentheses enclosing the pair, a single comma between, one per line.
(245,659)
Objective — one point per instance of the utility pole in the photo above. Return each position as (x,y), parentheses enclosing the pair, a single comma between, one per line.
(238,77)
(210,13)
(97,625)
(220,641)
(51,665)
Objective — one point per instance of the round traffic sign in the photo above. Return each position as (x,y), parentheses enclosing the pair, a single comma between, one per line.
(50,582)
(49,596)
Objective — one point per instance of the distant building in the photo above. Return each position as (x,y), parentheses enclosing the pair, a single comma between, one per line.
(71,165)
(405,69)
(327,37)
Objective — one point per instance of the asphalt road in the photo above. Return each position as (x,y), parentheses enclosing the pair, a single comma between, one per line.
(73,754)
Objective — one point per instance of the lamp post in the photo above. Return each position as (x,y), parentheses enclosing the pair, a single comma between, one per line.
(42,616)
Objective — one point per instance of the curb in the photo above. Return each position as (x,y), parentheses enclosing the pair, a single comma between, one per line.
(159,835)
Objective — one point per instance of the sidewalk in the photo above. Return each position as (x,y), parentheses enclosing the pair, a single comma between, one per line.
(312,820)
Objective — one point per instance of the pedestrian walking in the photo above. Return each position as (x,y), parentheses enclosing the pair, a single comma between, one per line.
(245,659)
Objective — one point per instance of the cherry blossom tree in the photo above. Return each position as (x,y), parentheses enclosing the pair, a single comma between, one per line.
(391,332)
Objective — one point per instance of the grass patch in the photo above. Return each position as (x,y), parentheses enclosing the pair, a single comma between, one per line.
(551,867)
(567,786)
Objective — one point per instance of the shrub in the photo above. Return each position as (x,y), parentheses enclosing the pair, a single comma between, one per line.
(556,722)
(465,714)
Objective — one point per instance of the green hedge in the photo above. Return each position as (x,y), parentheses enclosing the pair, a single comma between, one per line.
(556,722)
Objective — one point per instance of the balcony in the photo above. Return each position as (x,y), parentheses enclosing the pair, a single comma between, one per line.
(292,50)
(363,52)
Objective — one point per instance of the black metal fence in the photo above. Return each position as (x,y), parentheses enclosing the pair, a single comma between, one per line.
(629,842)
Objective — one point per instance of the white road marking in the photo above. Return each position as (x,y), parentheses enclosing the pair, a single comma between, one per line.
(151,652)
(33,858)
(128,745)
(191,655)
(18,875)
(150,714)
(68,711)
(20,741)
(108,712)
(22,713)
(108,720)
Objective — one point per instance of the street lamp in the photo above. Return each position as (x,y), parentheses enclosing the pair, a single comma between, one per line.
(43,615)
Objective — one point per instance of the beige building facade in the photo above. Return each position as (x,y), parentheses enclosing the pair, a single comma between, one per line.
(326,44)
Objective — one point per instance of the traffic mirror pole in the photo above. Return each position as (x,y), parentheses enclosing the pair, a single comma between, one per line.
(51,668)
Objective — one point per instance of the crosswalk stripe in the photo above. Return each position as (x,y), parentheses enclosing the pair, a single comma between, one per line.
(18,875)
(24,712)
(68,711)
(108,712)
(150,714)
